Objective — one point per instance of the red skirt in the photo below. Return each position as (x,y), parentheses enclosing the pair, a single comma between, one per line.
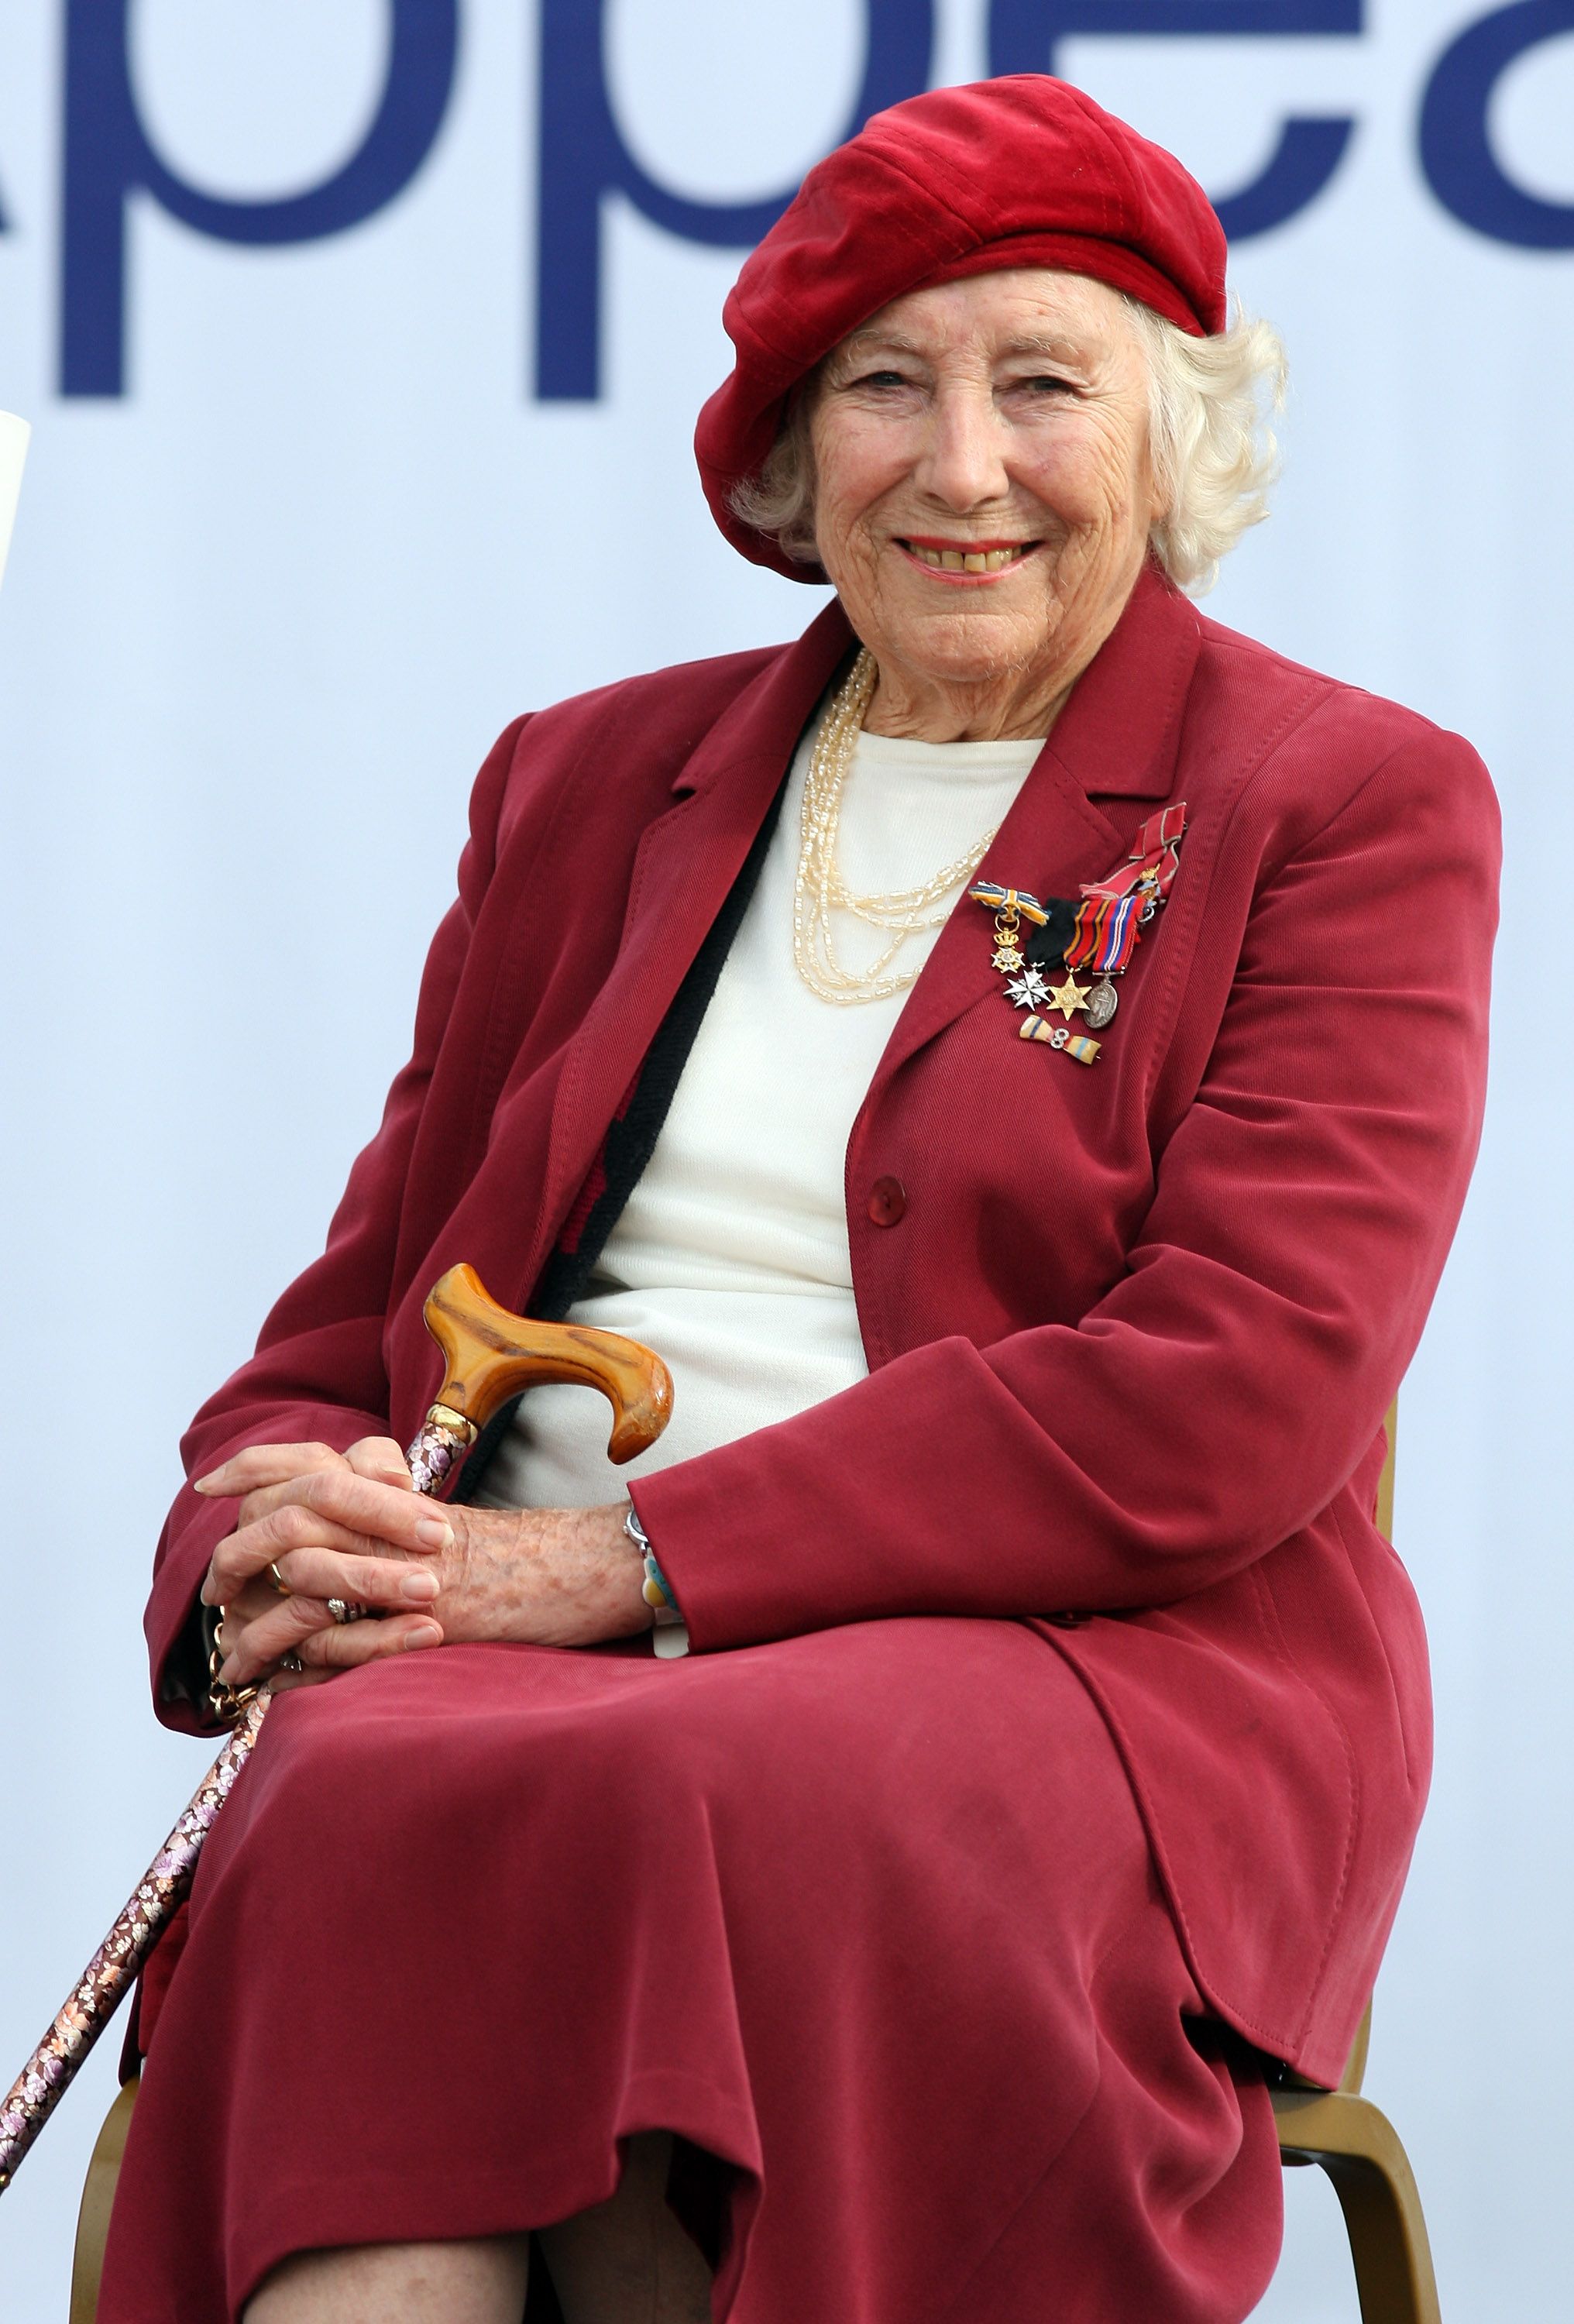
(868,1918)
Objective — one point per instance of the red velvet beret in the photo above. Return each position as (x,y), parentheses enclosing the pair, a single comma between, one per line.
(1025,170)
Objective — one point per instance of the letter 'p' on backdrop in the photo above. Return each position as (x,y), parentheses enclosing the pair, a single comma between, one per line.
(361,345)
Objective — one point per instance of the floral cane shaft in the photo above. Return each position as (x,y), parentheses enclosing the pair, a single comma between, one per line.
(436,1452)
(441,1444)
(108,1975)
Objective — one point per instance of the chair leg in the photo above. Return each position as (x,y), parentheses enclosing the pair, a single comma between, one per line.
(97,2198)
(1359,2148)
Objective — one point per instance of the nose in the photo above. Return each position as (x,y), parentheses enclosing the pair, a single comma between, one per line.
(963,466)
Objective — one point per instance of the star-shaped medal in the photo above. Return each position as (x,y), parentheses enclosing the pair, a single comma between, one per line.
(1028,990)
(1006,958)
(1069,997)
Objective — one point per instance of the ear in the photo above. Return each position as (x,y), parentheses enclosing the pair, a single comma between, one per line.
(1160,496)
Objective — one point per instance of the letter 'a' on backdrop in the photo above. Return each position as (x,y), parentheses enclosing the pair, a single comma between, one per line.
(112,163)
(109,159)
(14,436)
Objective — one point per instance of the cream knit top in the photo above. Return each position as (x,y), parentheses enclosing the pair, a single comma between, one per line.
(730,1257)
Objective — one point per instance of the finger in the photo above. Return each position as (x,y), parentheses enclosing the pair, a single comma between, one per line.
(348,1646)
(379,1458)
(252,1603)
(249,1556)
(265,1464)
(324,1573)
(379,1512)
(252,1647)
(281,1681)
(263,1541)
(290,1625)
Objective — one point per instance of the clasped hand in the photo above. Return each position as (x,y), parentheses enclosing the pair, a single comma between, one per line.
(351,1526)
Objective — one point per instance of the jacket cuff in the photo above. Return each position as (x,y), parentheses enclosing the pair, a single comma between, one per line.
(770,1535)
(177,1650)
(173,1623)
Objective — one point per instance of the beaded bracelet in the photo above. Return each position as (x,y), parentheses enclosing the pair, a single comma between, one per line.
(658,1591)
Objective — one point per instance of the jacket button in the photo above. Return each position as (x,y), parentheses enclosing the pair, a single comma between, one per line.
(888,1199)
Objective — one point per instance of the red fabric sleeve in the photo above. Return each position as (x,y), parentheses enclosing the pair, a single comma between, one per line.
(1219,1396)
(319,1372)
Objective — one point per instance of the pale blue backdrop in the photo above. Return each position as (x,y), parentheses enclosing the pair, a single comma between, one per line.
(270,603)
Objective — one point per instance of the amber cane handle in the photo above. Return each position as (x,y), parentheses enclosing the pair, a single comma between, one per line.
(491,1355)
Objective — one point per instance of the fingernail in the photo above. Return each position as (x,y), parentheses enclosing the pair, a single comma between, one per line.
(425,1634)
(228,1669)
(419,1585)
(203,1484)
(435,1533)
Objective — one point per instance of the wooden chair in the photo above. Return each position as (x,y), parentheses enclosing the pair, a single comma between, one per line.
(1339,2129)
(1360,2152)
(98,2195)
(1359,2147)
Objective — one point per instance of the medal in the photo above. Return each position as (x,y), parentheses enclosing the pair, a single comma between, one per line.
(1027,991)
(1096,936)
(1069,997)
(1149,870)
(1102,1004)
(1074,1044)
(1007,929)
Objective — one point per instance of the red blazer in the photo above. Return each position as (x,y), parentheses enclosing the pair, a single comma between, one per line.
(1132,1337)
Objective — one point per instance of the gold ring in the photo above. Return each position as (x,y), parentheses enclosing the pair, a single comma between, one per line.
(277,1578)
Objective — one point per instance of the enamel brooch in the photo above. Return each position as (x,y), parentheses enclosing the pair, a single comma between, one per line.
(1094,936)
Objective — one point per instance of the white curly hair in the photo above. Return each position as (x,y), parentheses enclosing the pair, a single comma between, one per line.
(1209,432)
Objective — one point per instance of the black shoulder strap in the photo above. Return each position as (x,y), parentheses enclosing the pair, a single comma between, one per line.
(632,1140)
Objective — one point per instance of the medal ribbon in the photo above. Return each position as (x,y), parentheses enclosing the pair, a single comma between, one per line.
(1153,860)
(1106,934)
(1004,899)
(1107,925)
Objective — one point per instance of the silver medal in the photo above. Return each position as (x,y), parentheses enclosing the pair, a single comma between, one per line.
(1102,1003)
(1027,991)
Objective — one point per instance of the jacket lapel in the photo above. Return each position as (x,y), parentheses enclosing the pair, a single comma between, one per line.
(1116,740)
(685,866)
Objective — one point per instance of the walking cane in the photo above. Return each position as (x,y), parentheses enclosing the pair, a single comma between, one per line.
(490,1356)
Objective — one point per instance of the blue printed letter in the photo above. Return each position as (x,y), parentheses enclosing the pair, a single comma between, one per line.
(1455,151)
(584,158)
(1024,33)
(108,157)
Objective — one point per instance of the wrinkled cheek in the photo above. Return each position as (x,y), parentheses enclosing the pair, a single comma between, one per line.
(1072,563)
(1090,494)
(853,563)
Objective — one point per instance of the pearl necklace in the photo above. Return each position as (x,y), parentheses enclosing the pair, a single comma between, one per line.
(819,890)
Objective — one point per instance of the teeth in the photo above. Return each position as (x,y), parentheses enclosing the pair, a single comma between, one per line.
(968,560)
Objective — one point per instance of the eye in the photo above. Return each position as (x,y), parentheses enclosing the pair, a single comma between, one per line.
(879,379)
(1045,384)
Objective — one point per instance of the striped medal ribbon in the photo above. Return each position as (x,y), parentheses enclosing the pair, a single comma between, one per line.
(1097,936)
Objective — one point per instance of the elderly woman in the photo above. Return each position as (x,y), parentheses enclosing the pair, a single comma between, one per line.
(1018,1052)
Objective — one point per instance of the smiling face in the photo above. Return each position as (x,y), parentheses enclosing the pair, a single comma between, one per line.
(983,495)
